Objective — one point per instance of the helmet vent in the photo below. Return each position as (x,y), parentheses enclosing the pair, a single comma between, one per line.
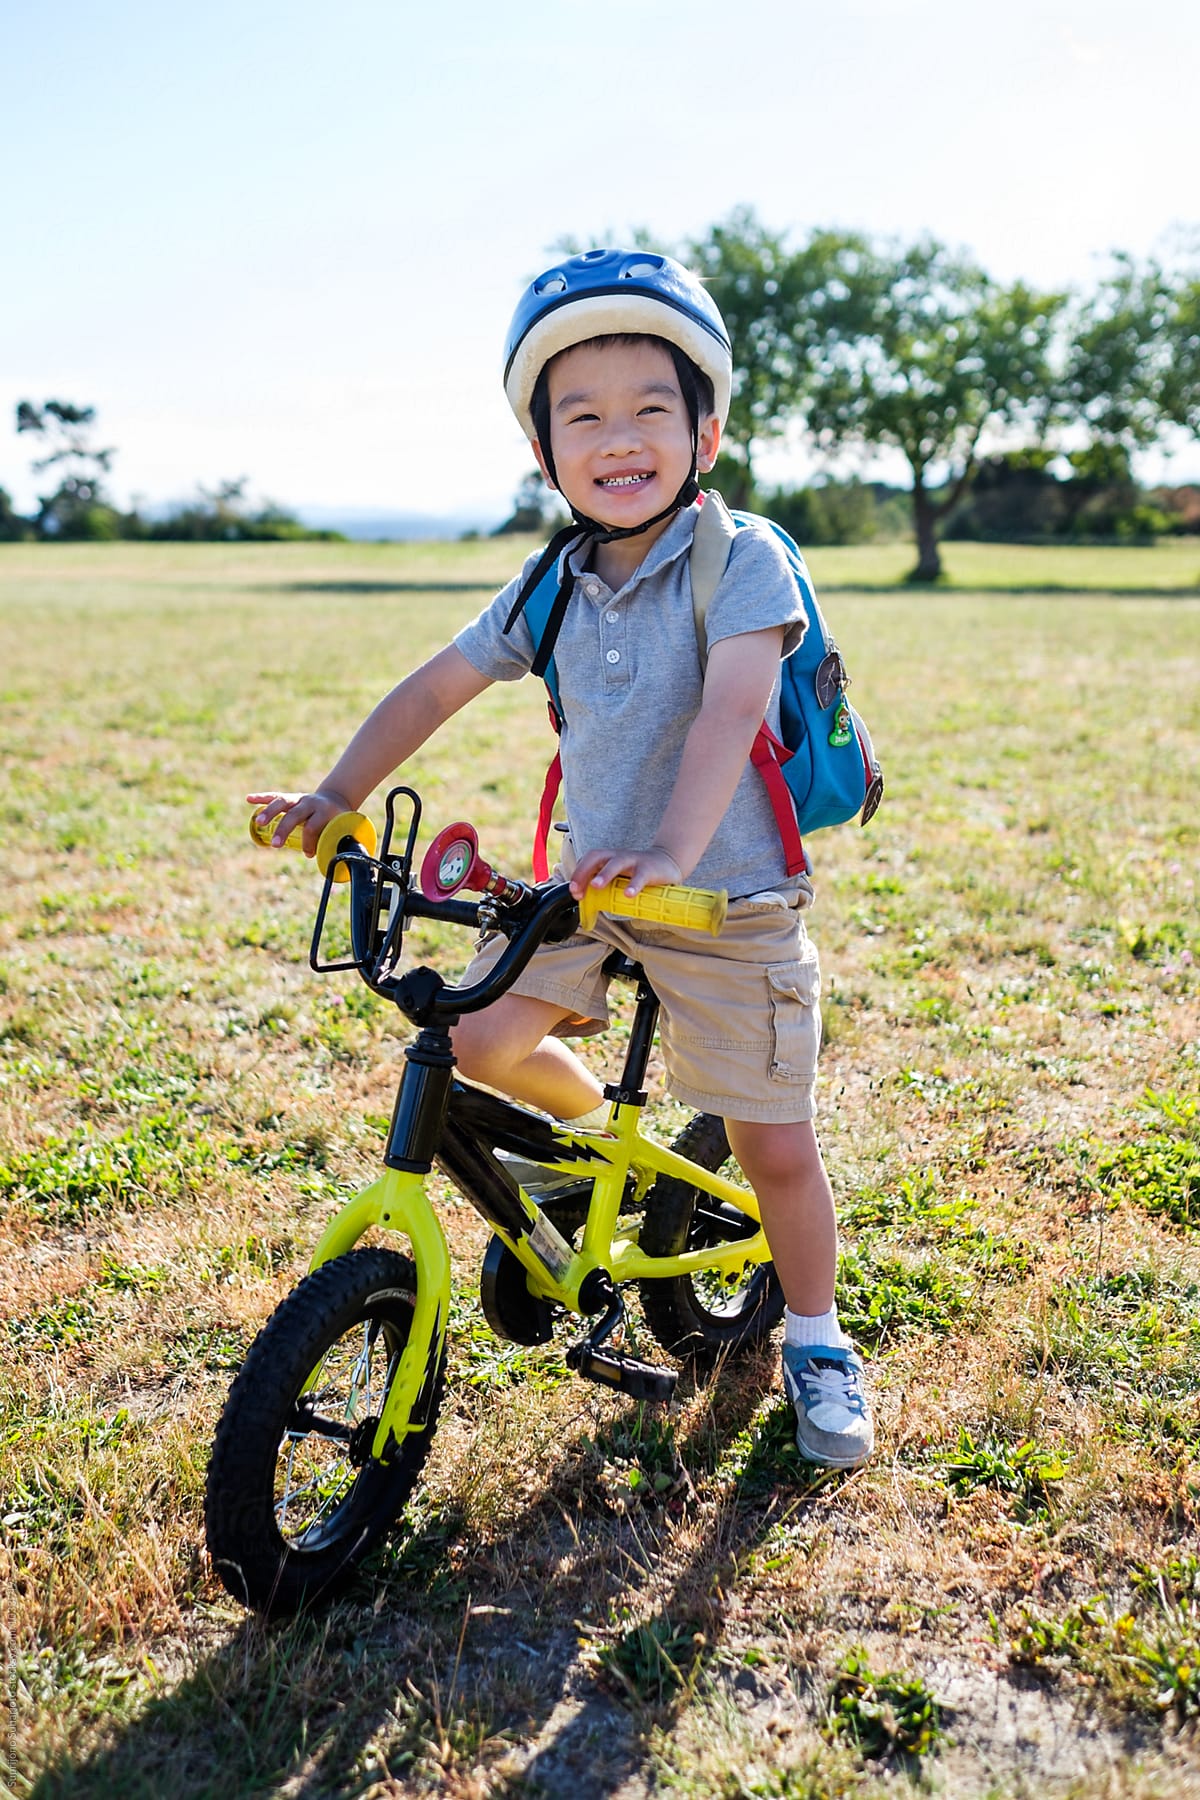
(553,284)
(639,271)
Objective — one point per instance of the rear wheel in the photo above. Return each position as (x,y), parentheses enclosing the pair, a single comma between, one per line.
(295,1500)
(701,1317)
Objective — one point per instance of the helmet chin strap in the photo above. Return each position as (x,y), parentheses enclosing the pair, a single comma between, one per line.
(608,534)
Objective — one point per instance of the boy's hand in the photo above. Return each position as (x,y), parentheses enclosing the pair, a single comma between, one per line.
(312,811)
(645,868)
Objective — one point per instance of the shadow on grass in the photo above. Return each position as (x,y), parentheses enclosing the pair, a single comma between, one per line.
(386,587)
(271,1706)
(448,1656)
(1058,590)
(1063,590)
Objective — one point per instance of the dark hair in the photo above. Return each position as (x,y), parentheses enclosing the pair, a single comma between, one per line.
(694,384)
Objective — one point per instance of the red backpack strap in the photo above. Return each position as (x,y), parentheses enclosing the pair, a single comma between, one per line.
(768,756)
(541,865)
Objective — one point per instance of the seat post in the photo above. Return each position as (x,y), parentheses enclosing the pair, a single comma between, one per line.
(629,1091)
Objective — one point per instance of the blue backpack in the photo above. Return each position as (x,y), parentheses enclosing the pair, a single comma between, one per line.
(820,771)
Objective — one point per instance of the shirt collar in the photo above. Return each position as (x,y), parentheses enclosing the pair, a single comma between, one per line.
(675,540)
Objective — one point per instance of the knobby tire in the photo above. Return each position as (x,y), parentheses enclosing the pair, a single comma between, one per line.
(354,1313)
(696,1318)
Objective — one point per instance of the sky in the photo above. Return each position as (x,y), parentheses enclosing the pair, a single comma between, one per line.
(285,241)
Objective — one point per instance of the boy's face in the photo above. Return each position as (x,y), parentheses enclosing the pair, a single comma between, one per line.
(620,431)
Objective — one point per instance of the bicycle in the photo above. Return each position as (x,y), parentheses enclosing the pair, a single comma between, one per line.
(329,1421)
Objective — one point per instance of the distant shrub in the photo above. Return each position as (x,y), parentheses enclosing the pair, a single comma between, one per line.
(14,528)
(224,515)
(839,512)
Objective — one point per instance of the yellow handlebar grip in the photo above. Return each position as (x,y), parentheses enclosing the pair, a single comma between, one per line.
(696,909)
(347,824)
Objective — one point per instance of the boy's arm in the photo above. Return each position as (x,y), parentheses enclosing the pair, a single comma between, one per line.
(398,726)
(737,689)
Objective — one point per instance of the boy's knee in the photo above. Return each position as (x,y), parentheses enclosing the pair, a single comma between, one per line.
(470,1046)
(772,1152)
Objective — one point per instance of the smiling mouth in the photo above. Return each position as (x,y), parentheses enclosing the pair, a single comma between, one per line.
(626,481)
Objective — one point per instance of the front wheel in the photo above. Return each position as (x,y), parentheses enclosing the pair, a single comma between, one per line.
(295,1500)
(699,1318)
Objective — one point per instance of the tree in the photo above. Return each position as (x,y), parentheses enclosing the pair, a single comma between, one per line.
(779,305)
(1118,356)
(925,355)
(1179,390)
(225,514)
(79,507)
(534,507)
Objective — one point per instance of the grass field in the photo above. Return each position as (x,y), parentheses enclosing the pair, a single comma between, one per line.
(590,1598)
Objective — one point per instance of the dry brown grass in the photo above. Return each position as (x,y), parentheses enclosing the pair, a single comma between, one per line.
(1009,955)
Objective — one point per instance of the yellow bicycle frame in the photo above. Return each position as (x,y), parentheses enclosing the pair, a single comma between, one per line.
(399,1201)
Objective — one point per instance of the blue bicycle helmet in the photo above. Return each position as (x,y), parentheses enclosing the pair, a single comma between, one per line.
(613,291)
(598,294)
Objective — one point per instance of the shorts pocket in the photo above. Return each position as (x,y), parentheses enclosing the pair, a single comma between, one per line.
(794,992)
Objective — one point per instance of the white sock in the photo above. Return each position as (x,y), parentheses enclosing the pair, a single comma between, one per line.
(595,1120)
(802,1329)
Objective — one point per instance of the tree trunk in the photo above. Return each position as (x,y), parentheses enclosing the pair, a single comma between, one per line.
(925,517)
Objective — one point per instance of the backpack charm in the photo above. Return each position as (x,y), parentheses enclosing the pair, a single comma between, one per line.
(830,680)
(842,733)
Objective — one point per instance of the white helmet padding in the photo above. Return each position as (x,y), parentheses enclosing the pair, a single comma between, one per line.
(606,293)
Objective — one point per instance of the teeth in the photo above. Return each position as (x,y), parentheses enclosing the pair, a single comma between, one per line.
(623,480)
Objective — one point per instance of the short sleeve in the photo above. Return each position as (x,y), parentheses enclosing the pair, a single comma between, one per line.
(500,655)
(757,590)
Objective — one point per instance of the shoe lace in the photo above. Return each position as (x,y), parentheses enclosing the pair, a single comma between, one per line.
(830,1381)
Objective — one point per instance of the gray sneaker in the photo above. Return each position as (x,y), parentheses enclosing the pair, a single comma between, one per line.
(833,1416)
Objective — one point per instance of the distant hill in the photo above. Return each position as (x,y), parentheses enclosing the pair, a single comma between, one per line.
(371,524)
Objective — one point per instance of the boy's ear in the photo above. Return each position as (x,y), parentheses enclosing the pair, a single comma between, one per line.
(707,444)
(541,463)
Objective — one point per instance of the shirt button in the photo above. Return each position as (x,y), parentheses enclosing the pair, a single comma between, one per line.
(613,656)
(611,617)
(592,589)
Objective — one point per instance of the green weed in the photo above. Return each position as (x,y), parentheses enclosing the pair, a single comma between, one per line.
(893,1717)
(1135,1324)
(65,1180)
(117,1277)
(1026,1472)
(640,1463)
(882,1296)
(1147,1656)
(654,1663)
(207,1347)
(67,1322)
(762,1459)
(1158,1172)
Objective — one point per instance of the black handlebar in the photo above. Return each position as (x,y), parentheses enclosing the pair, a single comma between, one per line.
(383,899)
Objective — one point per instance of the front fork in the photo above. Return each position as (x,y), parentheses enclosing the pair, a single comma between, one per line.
(398,1201)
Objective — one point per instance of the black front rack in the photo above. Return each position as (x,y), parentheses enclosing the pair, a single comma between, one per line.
(378,886)
(383,898)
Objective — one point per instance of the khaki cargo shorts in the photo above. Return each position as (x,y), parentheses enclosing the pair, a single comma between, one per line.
(740,1026)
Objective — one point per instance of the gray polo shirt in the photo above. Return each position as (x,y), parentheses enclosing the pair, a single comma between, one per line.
(630,684)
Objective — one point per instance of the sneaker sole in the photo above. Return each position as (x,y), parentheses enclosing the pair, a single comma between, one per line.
(821,1461)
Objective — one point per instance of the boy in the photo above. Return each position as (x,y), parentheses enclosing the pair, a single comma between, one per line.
(619,368)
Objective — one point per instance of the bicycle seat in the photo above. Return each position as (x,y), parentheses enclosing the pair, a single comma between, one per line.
(617,963)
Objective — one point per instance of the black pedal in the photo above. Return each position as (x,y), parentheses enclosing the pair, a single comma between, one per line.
(640,1380)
